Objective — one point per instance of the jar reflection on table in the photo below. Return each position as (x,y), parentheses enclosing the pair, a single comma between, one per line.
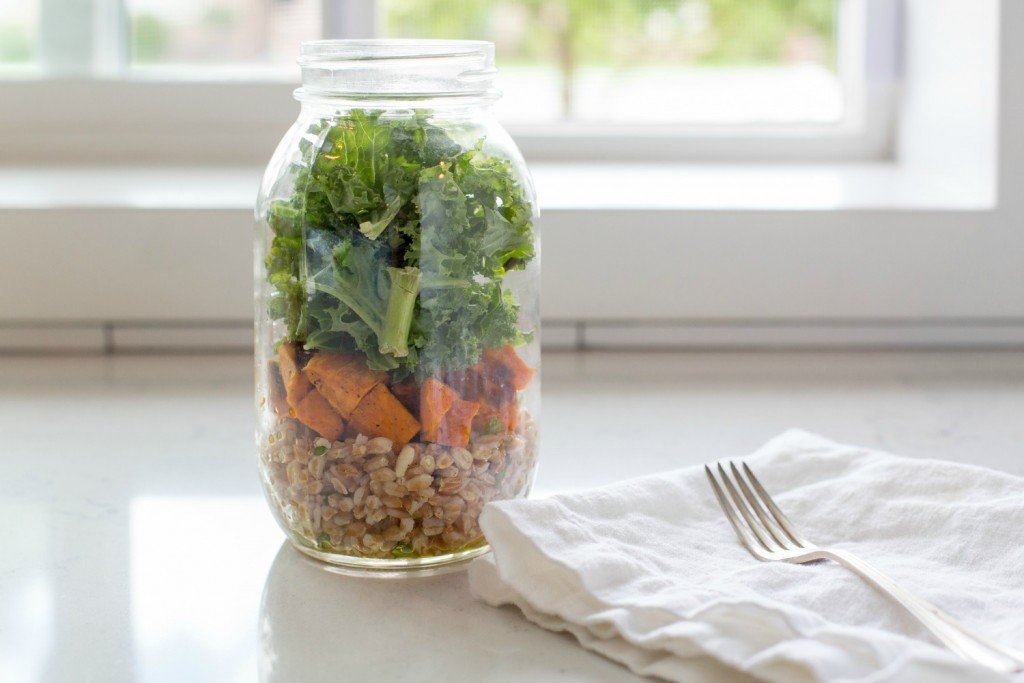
(315,625)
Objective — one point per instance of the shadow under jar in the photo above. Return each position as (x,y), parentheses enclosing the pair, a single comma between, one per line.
(397,295)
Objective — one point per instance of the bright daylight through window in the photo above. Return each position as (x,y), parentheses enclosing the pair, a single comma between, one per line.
(225,33)
(647,61)
(19,22)
(716,62)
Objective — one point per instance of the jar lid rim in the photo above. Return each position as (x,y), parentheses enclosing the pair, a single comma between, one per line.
(315,51)
(397,69)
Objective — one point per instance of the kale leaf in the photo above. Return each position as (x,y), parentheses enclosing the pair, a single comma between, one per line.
(394,244)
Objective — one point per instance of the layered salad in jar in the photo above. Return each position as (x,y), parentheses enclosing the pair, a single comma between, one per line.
(397,378)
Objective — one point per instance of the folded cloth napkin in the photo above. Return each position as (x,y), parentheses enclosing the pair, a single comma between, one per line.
(649,573)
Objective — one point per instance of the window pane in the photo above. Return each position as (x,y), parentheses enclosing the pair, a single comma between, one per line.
(647,61)
(19,20)
(221,32)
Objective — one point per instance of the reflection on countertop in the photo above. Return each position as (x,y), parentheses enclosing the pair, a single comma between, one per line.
(318,625)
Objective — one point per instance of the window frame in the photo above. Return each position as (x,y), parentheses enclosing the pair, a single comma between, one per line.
(230,120)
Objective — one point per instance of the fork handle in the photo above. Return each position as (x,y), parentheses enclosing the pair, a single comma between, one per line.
(952,633)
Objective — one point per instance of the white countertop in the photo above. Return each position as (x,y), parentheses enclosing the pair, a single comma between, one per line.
(135,545)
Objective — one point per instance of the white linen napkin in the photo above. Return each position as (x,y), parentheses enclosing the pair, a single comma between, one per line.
(650,573)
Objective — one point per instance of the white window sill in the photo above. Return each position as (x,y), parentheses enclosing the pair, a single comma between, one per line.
(755,243)
(561,187)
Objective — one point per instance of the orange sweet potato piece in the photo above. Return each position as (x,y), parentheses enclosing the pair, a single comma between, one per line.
(457,424)
(491,385)
(505,415)
(408,393)
(275,390)
(316,413)
(520,373)
(381,414)
(466,382)
(436,399)
(482,420)
(509,416)
(343,380)
(296,386)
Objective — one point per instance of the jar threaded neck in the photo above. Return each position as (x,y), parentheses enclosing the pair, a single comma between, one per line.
(397,69)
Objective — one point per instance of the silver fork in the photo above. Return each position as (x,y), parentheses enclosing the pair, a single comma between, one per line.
(769,536)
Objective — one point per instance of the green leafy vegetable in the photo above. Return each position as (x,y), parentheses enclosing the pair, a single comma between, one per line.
(283,267)
(323,541)
(358,280)
(394,244)
(500,477)
(403,550)
(405,285)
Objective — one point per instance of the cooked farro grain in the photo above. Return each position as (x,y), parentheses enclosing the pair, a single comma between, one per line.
(463,458)
(405,459)
(394,489)
(358,497)
(419,483)
(383,474)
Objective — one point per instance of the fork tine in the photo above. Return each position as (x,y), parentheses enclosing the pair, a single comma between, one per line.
(755,503)
(780,517)
(746,538)
(737,500)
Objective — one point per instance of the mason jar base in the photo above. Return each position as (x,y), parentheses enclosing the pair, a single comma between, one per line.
(352,565)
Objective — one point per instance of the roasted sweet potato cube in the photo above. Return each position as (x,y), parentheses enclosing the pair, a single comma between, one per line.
(343,380)
(504,418)
(495,391)
(483,420)
(408,393)
(296,386)
(467,382)
(381,414)
(457,424)
(436,399)
(316,413)
(486,384)
(520,373)
(509,416)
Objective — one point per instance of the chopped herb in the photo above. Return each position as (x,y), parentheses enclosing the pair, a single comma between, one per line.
(404,550)
(319,450)
(323,541)
(494,426)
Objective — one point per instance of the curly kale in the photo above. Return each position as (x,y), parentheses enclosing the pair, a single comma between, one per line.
(394,244)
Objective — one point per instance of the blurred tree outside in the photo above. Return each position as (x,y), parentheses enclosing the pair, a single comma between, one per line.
(15,44)
(228,34)
(150,37)
(623,34)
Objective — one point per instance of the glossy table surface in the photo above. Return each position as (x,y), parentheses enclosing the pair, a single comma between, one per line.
(135,544)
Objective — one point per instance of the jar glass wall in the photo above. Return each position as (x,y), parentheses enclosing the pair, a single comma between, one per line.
(397,293)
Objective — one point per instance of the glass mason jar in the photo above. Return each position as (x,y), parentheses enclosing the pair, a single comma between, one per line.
(397,326)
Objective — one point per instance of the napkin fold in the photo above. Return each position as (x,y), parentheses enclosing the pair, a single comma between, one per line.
(649,572)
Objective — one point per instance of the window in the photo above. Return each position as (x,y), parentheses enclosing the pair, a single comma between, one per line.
(221,33)
(18,22)
(647,61)
(583,79)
